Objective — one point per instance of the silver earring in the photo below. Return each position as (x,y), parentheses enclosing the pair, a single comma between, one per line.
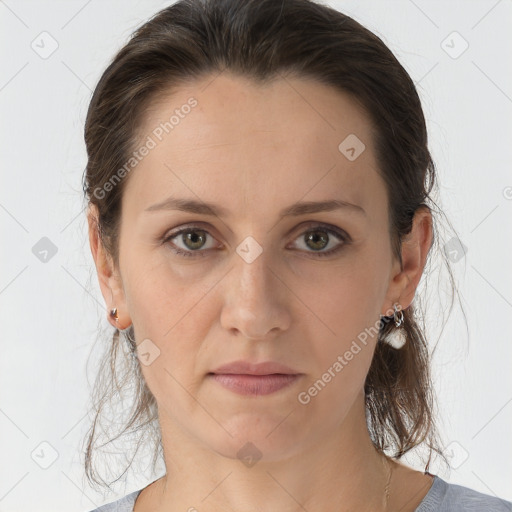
(398,315)
(397,339)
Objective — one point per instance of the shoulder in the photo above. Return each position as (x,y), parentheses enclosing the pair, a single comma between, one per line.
(125,504)
(446,497)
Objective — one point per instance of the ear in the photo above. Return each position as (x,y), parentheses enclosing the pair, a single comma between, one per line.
(108,276)
(414,251)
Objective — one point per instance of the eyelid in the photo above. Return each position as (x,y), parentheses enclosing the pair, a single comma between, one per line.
(314,224)
(186,227)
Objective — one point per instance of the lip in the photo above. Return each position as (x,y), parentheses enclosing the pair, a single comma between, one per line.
(246,378)
(245,384)
(248,368)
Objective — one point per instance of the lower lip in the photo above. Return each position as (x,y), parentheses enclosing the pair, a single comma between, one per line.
(255,384)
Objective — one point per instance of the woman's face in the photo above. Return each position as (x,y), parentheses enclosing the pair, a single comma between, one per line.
(255,285)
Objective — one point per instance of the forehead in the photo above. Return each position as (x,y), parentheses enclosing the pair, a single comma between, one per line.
(226,137)
(230,106)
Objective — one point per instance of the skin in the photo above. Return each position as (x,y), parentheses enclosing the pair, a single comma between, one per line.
(287,305)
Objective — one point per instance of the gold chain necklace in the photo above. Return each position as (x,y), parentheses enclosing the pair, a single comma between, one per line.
(386,491)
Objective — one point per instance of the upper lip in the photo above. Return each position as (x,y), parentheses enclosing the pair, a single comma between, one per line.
(248,368)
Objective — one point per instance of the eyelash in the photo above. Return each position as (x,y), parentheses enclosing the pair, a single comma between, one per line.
(341,235)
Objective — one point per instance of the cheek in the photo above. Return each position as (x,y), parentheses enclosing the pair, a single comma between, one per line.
(339,362)
(160,295)
(344,298)
(176,328)
(341,321)
(343,332)
(171,318)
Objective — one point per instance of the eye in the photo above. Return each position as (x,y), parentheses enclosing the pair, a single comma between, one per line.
(194,238)
(320,236)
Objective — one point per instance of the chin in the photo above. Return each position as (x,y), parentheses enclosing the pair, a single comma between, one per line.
(258,437)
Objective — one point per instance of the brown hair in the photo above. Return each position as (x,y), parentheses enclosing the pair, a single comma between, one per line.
(265,40)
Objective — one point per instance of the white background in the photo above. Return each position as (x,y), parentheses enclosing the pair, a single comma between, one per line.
(50,312)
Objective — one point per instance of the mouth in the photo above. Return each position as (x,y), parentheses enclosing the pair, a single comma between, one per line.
(247,384)
(250,378)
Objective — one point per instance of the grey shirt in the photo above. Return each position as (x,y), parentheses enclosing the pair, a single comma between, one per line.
(441,497)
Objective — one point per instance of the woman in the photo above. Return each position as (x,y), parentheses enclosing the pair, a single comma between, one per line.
(258,182)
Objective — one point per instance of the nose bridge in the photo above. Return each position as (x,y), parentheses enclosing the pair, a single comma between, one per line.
(253,273)
(253,303)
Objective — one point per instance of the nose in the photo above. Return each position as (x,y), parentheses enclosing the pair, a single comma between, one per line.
(256,300)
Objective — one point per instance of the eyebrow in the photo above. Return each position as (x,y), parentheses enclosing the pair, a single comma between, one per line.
(295,210)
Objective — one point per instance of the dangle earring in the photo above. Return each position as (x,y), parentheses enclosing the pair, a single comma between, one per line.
(398,315)
(397,338)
